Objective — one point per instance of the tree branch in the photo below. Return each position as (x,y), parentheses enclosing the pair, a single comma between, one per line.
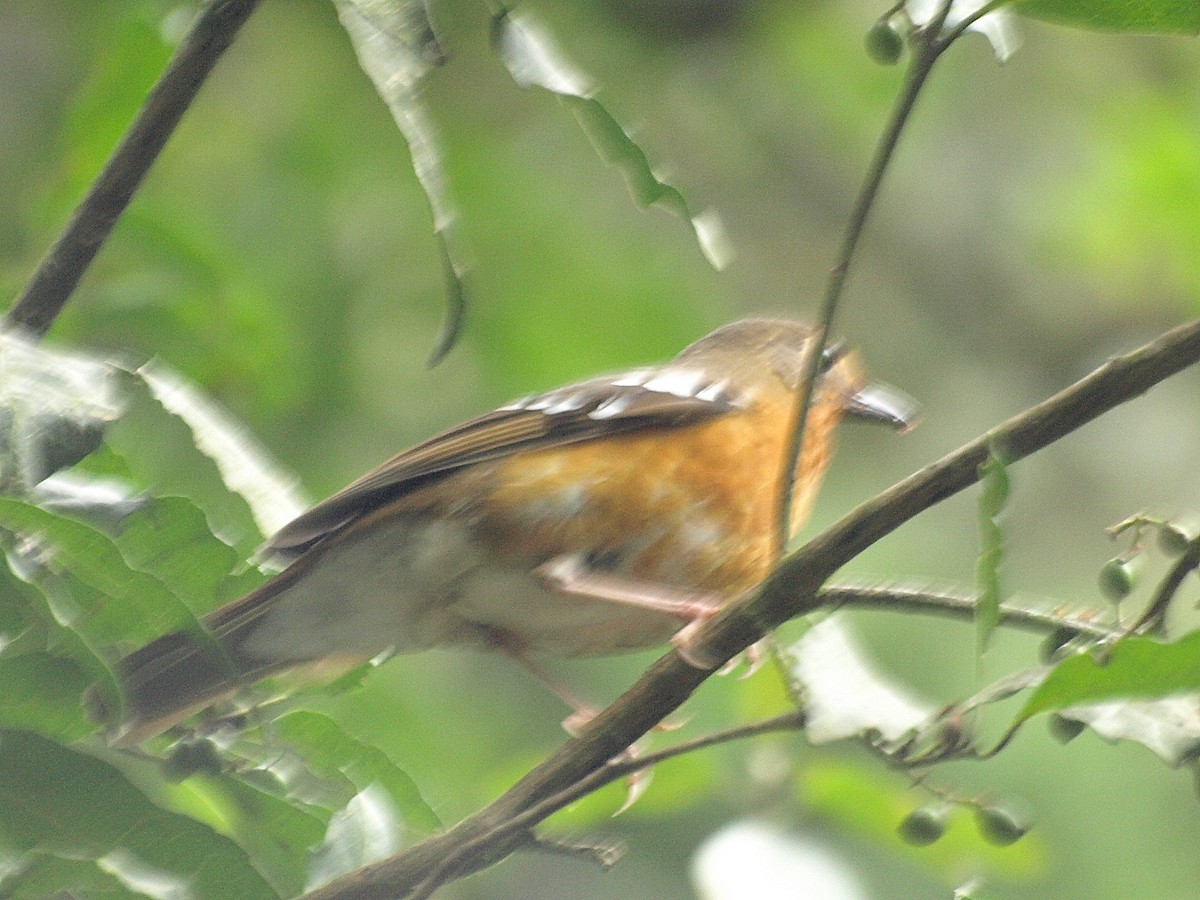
(791,590)
(64,264)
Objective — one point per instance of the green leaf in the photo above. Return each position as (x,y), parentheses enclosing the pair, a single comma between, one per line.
(46,875)
(91,590)
(116,601)
(169,538)
(1134,668)
(528,52)
(329,750)
(42,693)
(396,47)
(159,449)
(991,550)
(1159,16)
(60,801)
(28,609)
(276,832)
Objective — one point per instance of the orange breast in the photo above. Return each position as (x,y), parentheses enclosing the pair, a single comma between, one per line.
(693,507)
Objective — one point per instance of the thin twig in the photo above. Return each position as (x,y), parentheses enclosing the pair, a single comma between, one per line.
(1154,614)
(616,769)
(960,606)
(926,50)
(64,264)
(790,591)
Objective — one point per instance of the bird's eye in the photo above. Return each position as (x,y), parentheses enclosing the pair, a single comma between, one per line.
(830,355)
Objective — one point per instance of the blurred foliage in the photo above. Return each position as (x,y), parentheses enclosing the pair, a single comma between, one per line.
(280,255)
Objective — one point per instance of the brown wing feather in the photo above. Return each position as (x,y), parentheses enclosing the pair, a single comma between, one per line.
(568,415)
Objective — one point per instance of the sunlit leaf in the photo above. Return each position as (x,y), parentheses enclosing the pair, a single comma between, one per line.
(103,502)
(997,26)
(327,748)
(245,466)
(365,831)
(54,407)
(1163,16)
(527,50)
(842,694)
(1169,727)
(750,858)
(396,47)
(1135,668)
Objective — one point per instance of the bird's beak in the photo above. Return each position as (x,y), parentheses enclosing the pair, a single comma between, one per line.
(883,404)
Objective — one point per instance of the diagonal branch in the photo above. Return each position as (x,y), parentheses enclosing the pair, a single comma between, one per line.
(790,591)
(62,267)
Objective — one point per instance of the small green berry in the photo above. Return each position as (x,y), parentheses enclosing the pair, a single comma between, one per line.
(999,826)
(1117,578)
(884,43)
(923,826)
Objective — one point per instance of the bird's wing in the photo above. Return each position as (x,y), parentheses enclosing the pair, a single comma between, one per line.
(666,397)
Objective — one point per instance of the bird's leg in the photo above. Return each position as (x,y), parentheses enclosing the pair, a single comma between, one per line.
(569,575)
(639,780)
(511,647)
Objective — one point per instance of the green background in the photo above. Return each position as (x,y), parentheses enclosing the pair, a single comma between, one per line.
(1040,216)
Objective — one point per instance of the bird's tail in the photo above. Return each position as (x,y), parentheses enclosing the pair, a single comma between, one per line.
(183,672)
(168,680)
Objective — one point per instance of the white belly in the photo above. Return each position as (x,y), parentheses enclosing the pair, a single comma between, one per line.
(405,587)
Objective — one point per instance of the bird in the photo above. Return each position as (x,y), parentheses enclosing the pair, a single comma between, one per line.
(594,519)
